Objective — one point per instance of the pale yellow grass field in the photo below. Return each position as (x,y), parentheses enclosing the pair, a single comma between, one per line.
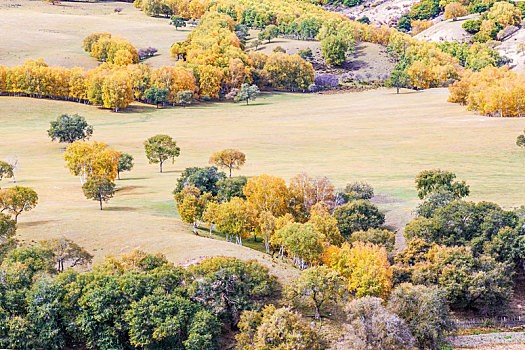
(36,29)
(376,136)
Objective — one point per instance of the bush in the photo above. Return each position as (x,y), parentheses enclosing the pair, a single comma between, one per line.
(327,80)
(472,26)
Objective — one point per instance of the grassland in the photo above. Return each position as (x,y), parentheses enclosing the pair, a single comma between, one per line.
(376,136)
(34,29)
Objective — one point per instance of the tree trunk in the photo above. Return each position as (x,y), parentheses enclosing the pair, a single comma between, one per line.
(100,204)
(230,172)
(397,89)
(118,175)
(160,166)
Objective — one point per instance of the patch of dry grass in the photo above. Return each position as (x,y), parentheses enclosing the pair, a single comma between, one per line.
(36,29)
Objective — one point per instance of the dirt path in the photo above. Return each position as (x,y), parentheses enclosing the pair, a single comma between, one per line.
(504,339)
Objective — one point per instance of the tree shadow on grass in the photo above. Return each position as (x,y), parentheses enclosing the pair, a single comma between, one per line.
(132,178)
(137,109)
(34,223)
(119,209)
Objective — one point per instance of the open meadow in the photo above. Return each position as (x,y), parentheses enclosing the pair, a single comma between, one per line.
(55,32)
(376,136)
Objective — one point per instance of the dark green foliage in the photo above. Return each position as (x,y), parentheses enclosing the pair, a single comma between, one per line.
(155,95)
(429,181)
(247,92)
(185,97)
(404,24)
(228,286)
(425,9)
(359,215)
(69,128)
(469,282)
(6,170)
(125,163)
(472,25)
(162,321)
(205,179)
(230,187)
(478,6)
(365,20)
(425,311)
(177,22)
(399,78)
(99,188)
(462,223)
(242,32)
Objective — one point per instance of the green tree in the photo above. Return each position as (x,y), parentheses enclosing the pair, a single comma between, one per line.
(70,128)
(160,148)
(17,199)
(359,215)
(399,78)
(155,95)
(177,22)
(125,163)
(333,49)
(303,242)
(247,92)
(357,190)
(318,288)
(520,142)
(426,312)
(6,170)
(429,181)
(166,321)
(205,179)
(228,286)
(99,188)
(404,24)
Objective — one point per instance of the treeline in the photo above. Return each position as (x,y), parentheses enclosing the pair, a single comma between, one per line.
(491,91)
(110,86)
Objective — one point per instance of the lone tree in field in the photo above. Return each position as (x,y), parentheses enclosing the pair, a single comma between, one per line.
(155,95)
(160,148)
(454,10)
(125,163)
(177,22)
(520,142)
(17,199)
(228,158)
(99,188)
(70,128)
(6,170)
(185,97)
(247,93)
(399,78)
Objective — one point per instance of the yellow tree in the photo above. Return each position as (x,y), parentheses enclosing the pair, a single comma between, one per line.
(117,90)
(454,10)
(88,159)
(236,218)
(325,224)
(366,268)
(191,204)
(17,199)
(307,192)
(228,159)
(267,193)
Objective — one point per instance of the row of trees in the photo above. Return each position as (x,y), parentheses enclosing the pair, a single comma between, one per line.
(491,91)
(110,86)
